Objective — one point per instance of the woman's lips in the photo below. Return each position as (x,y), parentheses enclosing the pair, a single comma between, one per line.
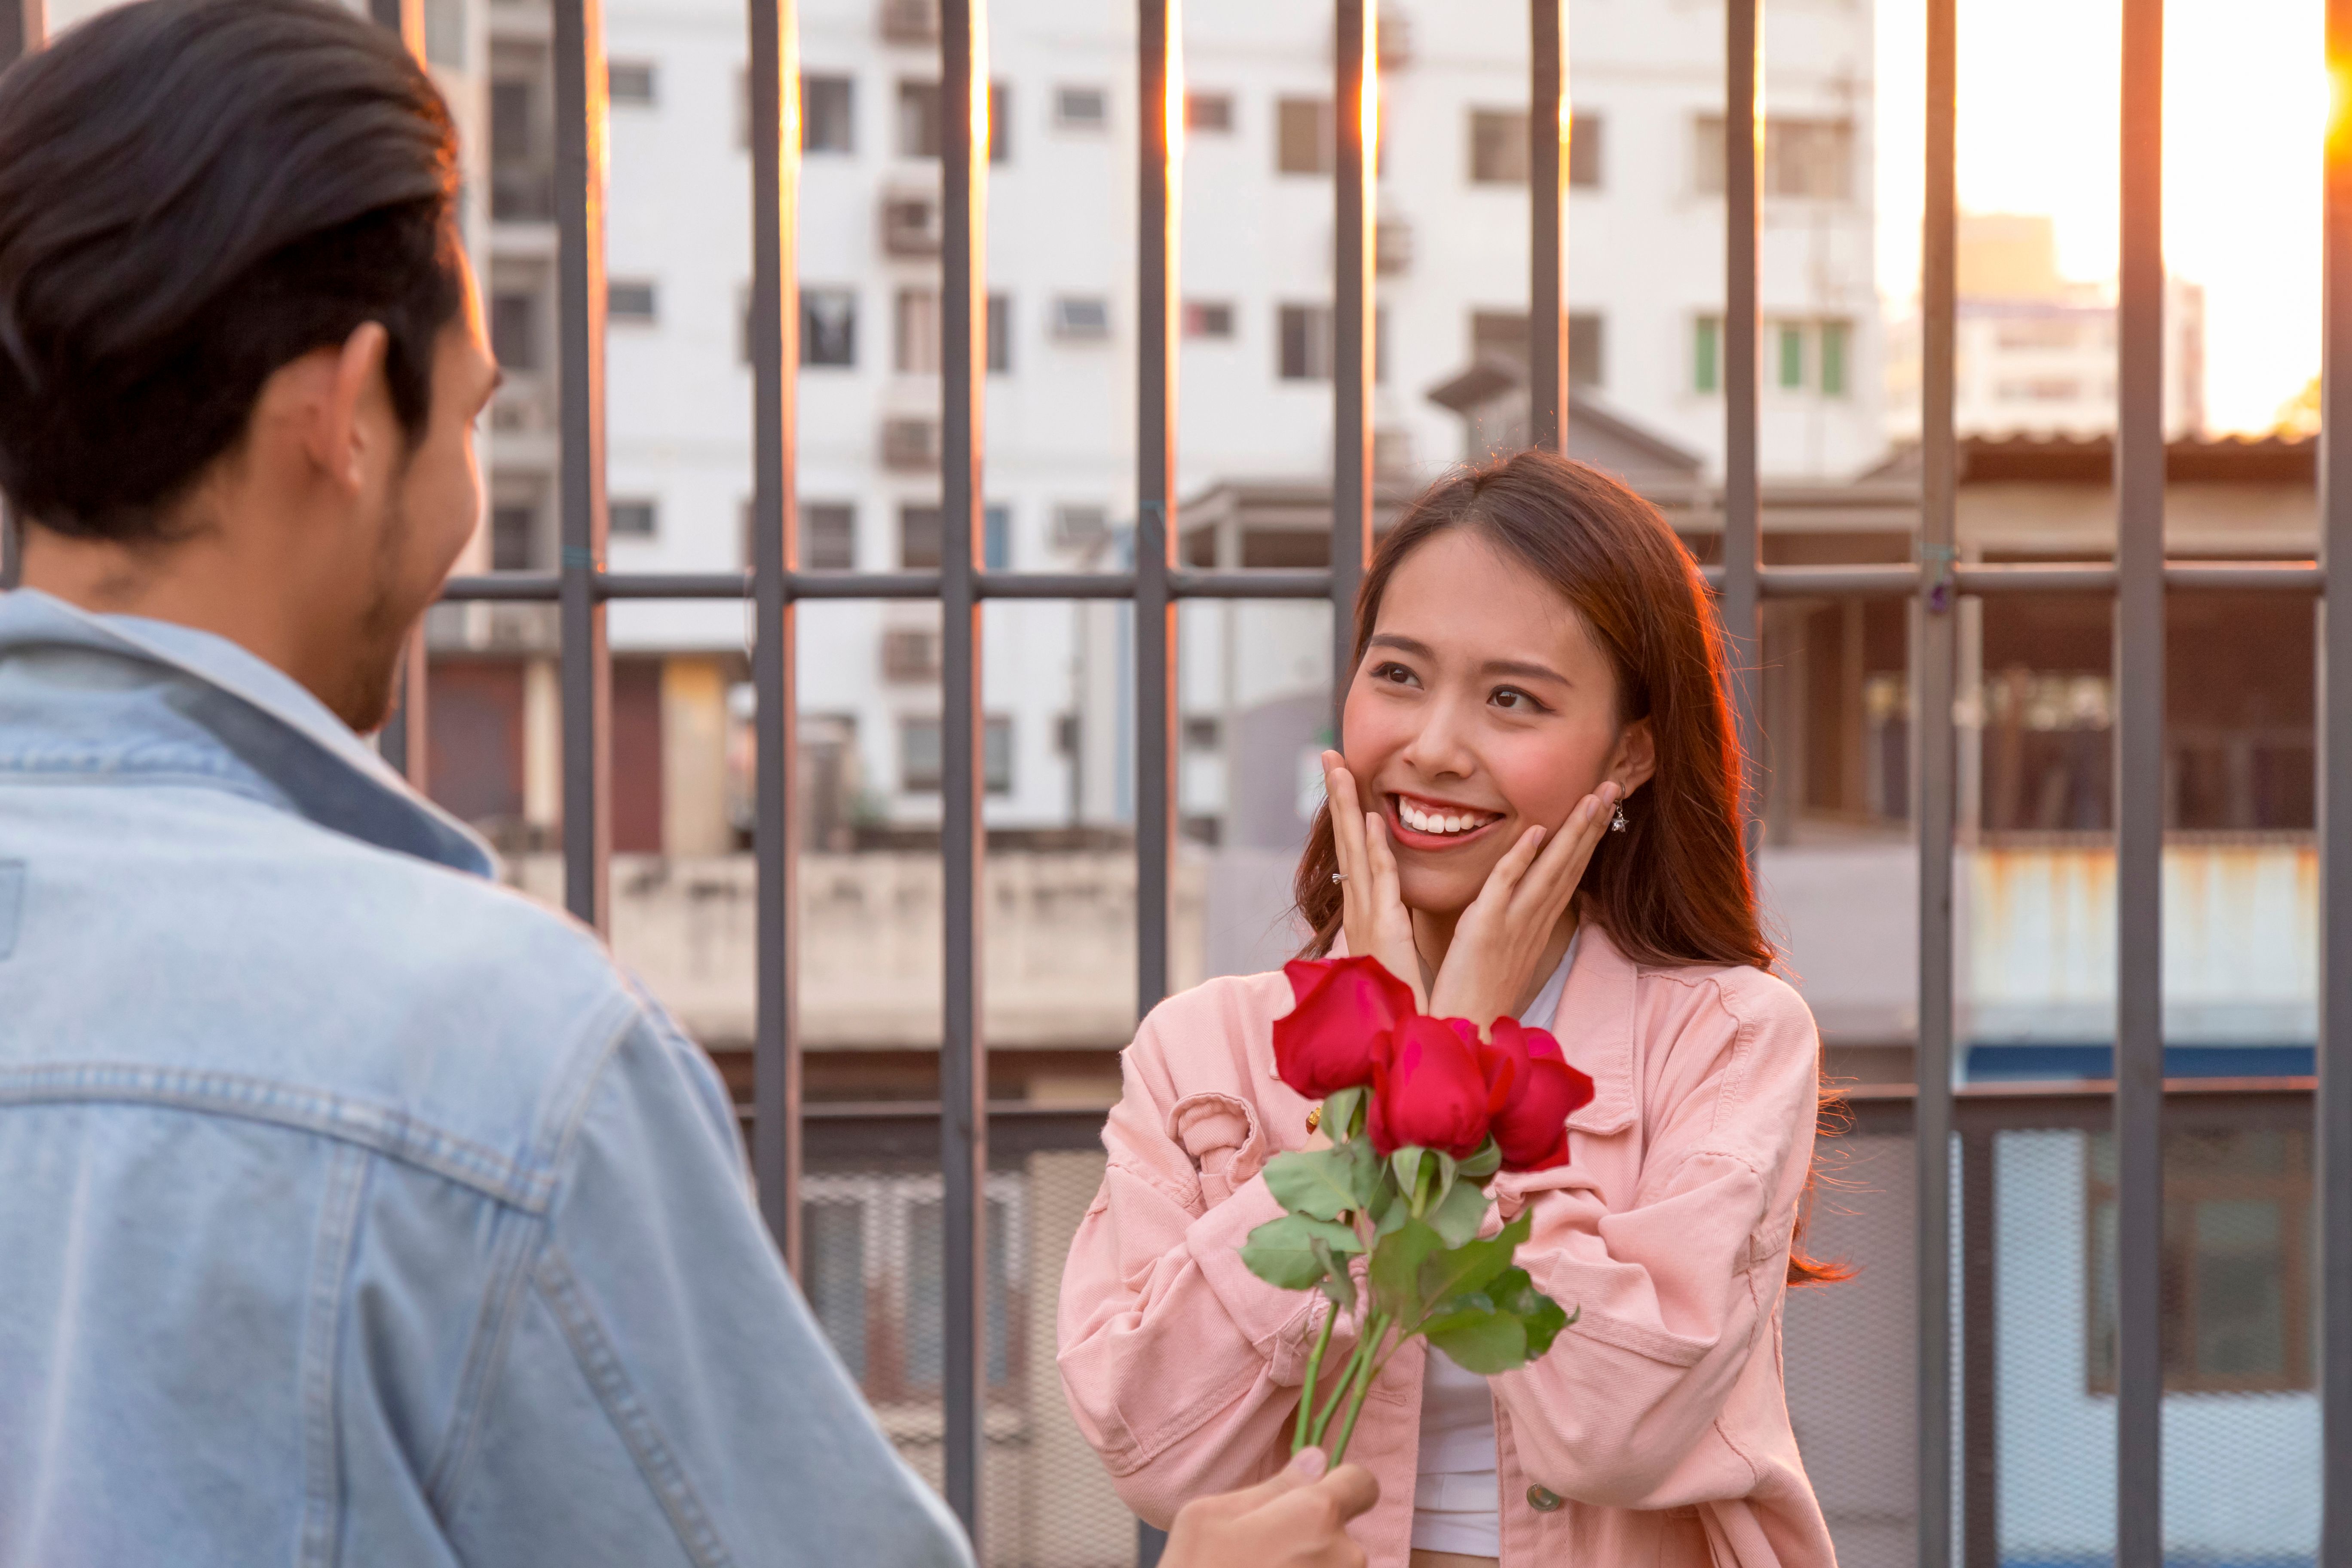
(1420,839)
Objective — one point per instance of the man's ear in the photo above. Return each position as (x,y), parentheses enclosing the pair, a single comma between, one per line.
(342,435)
(1635,756)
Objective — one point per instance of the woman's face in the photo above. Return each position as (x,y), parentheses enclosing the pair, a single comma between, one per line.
(1482,707)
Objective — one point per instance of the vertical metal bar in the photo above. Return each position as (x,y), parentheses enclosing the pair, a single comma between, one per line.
(1356,104)
(1936,641)
(402,740)
(775,75)
(1548,142)
(586,667)
(963,1054)
(24,27)
(2334,1107)
(2139,798)
(1980,1363)
(1743,497)
(1160,75)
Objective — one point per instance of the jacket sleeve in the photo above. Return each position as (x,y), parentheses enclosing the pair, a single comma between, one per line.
(1182,1368)
(1675,1293)
(661,1393)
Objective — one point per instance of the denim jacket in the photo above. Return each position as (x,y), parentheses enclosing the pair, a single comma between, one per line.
(354,1208)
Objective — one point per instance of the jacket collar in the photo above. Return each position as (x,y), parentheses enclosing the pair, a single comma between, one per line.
(269,721)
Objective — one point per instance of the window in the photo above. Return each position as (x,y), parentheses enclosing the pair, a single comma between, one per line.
(514,331)
(1707,354)
(916,321)
(1209,111)
(514,537)
(511,140)
(828,326)
(919,121)
(996,538)
(1789,358)
(1000,334)
(828,114)
(1303,339)
(828,536)
(1081,316)
(1585,141)
(2239,1260)
(1586,344)
(1203,732)
(1079,527)
(630,82)
(909,654)
(919,766)
(632,519)
(1835,337)
(918,538)
(1498,147)
(1305,137)
(1498,335)
(1208,318)
(1803,158)
(632,300)
(1081,108)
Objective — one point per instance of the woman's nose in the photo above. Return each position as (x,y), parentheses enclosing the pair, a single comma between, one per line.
(1441,748)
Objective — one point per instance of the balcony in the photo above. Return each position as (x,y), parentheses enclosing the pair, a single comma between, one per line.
(912,225)
(910,445)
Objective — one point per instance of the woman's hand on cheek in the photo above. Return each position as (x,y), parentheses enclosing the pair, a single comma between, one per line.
(1502,936)
(1376,923)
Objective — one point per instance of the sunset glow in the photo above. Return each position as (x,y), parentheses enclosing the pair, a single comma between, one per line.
(2246,108)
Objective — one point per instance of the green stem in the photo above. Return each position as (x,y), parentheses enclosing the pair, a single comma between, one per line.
(1377,1331)
(1338,1392)
(1314,1363)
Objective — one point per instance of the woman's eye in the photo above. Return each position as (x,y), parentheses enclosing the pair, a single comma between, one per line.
(1393,672)
(1512,700)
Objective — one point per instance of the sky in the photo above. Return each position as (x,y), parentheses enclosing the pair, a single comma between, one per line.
(2245,108)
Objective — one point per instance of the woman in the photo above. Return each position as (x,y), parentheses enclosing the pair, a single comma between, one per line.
(1537,815)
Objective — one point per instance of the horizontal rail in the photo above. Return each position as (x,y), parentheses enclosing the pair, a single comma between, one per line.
(1877,580)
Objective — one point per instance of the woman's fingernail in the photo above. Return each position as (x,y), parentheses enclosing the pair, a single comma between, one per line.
(1308,1464)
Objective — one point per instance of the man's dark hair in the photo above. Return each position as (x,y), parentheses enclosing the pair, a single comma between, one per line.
(194,193)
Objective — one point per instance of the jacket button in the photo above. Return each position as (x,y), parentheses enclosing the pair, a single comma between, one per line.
(1543,1499)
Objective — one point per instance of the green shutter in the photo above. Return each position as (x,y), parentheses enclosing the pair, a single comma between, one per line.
(1793,355)
(1833,340)
(1705,374)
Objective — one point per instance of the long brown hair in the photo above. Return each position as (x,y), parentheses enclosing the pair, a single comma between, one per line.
(1674,887)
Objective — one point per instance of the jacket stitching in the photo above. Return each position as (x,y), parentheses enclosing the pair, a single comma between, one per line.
(393,1133)
(486,1353)
(322,1499)
(627,1412)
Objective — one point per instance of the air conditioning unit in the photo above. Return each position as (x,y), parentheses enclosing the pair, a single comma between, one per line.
(910,444)
(911,21)
(1391,246)
(912,224)
(1081,316)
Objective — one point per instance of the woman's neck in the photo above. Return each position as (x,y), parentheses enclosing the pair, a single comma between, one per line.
(1433,939)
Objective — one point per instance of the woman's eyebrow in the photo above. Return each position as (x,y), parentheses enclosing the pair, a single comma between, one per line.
(1524,671)
(1402,644)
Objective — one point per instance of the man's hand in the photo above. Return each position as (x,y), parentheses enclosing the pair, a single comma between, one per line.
(1291,1520)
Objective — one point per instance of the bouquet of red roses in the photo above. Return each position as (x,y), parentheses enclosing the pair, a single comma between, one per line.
(1421,1113)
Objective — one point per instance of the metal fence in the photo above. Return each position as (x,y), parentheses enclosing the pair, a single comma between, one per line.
(2138,577)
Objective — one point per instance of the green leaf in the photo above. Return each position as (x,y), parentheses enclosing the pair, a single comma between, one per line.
(1389,1211)
(1473,1266)
(1398,1263)
(1458,1311)
(1406,1163)
(1324,1182)
(1342,1109)
(1484,1163)
(1336,1282)
(1484,1342)
(1444,1186)
(1513,1292)
(1457,1218)
(1282,1251)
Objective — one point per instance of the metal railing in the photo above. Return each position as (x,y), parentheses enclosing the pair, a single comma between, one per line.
(2138,577)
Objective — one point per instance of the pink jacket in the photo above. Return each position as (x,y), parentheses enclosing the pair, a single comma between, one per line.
(1654,1431)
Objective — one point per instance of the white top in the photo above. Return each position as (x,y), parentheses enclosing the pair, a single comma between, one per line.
(1456,1505)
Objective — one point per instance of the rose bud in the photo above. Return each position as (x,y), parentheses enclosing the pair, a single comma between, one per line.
(1345,1007)
(1427,1089)
(1532,1129)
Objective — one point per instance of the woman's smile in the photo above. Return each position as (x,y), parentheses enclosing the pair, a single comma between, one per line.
(1420,821)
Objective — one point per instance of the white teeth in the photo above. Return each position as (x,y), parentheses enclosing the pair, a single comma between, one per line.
(1422,821)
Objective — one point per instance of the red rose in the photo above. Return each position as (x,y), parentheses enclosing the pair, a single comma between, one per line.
(1347,1006)
(1531,1126)
(1427,1088)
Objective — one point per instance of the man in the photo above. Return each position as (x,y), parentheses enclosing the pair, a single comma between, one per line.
(352,1208)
